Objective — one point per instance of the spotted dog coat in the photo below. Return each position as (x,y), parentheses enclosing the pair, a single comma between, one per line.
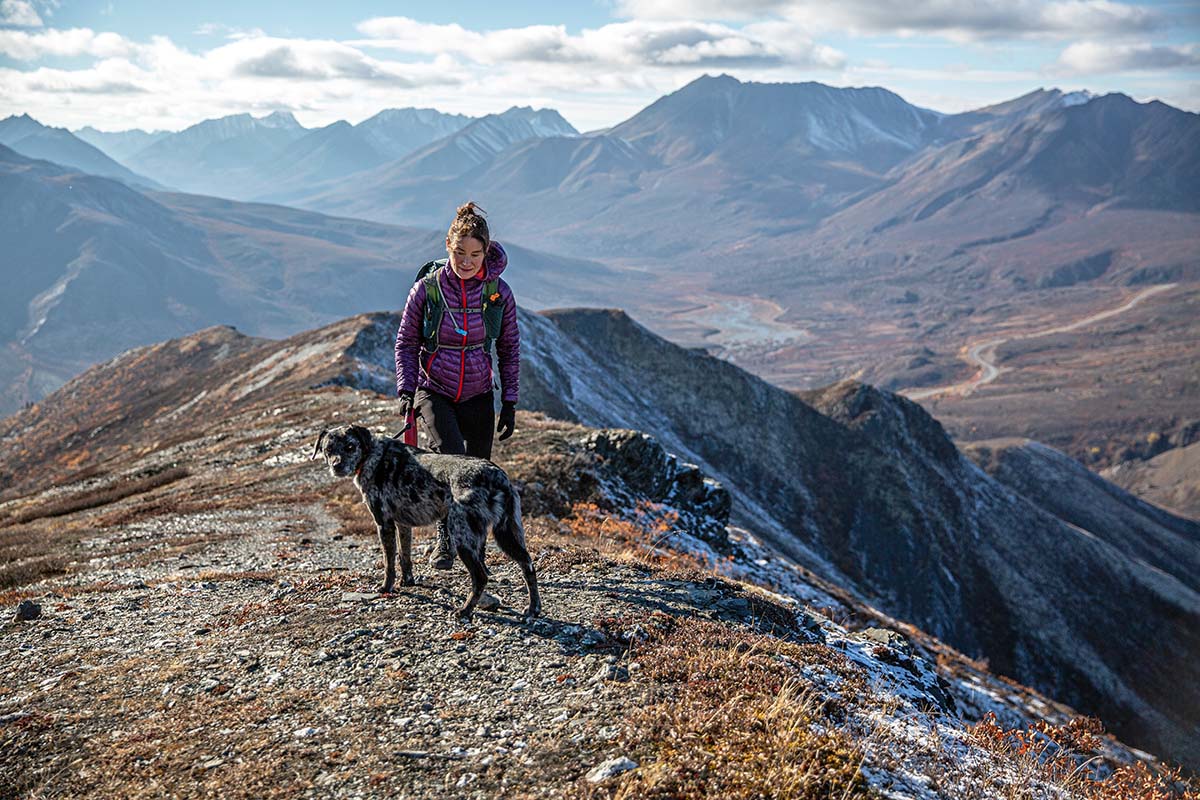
(404,486)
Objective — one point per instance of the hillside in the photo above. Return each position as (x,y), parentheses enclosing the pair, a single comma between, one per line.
(861,487)
(204,625)
(95,267)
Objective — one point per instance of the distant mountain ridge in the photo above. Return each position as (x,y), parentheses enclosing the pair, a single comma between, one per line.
(30,138)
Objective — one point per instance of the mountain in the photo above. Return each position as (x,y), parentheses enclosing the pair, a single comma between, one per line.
(197,158)
(778,128)
(97,267)
(1170,479)
(425,178)
(716,154)
(119,145)
(341,149)
(399,131)
(30,138)
(197,561)
(864,485)
(246,158)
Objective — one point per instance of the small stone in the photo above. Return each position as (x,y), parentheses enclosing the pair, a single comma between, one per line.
(610,769)
(488,602)
(28,610)
(304,733)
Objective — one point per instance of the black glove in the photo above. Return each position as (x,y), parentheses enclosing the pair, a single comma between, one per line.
(406,404)
(508,419)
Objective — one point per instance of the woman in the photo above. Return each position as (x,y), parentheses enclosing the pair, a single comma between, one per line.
(455,311)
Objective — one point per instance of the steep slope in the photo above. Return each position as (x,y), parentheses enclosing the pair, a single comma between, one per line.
(873,488)
(210,589)
(32,139)
(1084,500)
(1170,479)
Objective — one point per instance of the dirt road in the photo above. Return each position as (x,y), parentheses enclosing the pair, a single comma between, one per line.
(983,354)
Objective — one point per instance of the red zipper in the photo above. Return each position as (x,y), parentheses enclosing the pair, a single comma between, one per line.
(462,369)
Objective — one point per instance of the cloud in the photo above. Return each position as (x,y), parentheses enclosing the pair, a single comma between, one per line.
(25,46)
(318,60)
(1093,58)
(960,20)
(663,44)
(20,13)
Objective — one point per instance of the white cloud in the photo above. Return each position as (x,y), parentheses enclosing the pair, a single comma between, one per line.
(959,20)
(25,46)
(1094,58)
(20,13)
(624,44)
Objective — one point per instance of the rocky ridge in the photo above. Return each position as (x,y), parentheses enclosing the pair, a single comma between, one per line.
(213,633)
(855,485)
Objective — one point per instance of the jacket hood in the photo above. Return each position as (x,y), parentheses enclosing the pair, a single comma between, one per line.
(494,261)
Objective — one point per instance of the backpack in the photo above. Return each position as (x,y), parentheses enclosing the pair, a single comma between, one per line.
(435,307)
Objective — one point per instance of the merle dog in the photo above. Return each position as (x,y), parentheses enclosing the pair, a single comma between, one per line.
(405,486)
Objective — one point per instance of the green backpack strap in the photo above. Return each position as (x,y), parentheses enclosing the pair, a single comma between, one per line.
(434,305)
(493,313)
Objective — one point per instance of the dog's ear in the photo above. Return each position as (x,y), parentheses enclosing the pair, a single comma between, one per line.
(317,446)
(362,435)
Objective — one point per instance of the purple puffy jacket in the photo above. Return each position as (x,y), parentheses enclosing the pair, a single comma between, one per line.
(459,374)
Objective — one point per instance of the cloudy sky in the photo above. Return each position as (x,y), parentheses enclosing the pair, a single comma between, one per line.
(119,64)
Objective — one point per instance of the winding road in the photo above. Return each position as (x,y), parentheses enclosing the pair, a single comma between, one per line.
(984,354)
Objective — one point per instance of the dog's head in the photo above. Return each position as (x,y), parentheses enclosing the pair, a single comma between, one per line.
(345,448)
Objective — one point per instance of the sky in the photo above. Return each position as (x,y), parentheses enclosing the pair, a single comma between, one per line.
(121,64)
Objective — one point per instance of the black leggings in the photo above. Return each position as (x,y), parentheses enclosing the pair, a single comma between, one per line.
(464,428)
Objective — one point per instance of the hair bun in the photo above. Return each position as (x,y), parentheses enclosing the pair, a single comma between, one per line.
(469,209)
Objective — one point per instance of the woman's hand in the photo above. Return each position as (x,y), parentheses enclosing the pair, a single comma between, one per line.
(508,419)
(406,404)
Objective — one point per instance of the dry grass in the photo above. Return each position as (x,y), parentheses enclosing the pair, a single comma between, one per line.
(1060,755)
(636,540)
(81,501)
(733,719)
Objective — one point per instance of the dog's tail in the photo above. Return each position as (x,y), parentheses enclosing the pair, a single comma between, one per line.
(510,533)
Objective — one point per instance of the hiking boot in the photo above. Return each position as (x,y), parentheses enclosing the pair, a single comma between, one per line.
(443,557)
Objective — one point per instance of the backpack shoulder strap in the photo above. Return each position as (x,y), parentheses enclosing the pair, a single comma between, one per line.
(493,313)
(434,305)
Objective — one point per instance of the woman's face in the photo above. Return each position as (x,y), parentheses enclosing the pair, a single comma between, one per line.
(466,256)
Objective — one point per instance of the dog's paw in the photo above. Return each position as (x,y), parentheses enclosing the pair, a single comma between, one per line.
(408,580)
(387,587)
(464,614)
(532,613)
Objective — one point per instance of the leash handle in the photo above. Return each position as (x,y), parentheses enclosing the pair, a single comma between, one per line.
(409,431)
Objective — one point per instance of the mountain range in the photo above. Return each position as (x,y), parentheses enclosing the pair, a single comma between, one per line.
(806,232)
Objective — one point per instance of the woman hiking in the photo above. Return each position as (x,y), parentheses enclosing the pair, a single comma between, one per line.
(457,310)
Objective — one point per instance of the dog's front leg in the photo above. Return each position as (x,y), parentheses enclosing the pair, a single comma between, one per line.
(386,528)
(404,534)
